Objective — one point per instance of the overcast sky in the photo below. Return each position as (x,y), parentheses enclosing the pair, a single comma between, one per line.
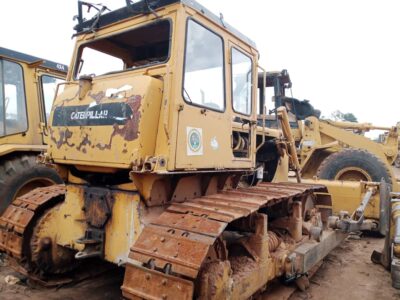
(341,54)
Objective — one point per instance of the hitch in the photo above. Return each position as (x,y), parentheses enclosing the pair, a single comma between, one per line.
(357,221)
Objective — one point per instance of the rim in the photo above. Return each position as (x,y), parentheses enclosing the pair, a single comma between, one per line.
(33,184)
(353,174)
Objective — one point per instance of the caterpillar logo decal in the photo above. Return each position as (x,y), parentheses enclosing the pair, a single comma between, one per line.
(92,115)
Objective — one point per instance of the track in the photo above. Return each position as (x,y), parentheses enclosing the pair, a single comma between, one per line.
(174,248)
(14,223)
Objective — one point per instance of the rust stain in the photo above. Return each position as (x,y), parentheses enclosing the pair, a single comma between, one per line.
(64,137)
(129,131)
(84,142)
(69,99)
(98,96)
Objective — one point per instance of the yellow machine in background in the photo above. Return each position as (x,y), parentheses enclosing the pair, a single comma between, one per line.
(333,150)
(335,154)
(154,131)
(27,87)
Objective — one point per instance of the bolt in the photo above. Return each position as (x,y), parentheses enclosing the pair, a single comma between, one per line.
(164,282)
(148,276)
(45,243)
(162,239)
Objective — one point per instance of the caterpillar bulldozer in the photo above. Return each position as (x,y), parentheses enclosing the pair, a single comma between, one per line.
(167,171)
(27,86)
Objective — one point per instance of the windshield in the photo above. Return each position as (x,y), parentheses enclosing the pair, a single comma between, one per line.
(204,67)
(49,86)
(12,99)
(136,48)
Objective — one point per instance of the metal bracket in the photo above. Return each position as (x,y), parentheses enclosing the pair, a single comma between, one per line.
(94,244)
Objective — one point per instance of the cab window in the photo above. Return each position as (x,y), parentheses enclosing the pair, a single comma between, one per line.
(241,82)
(204,68)
(49,86)
(132,49)
(12,99)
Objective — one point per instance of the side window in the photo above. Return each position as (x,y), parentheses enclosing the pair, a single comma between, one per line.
(241,82)
(204,68)
(12,99)
(49,86)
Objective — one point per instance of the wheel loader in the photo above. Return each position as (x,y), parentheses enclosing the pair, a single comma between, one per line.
(334,150)
(27,86)
(354,167)
(167,171)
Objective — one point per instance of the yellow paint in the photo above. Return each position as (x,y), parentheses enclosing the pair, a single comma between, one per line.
(67,221)
(347,196)
(123,228)
(108,148)
(319,138)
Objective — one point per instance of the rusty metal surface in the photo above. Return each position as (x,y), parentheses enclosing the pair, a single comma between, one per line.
(185,251)
(98,205)
(180,240)
(17,217)
(151,284)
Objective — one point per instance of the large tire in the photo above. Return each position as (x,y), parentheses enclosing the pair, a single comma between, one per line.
(354,165)
(397,161)
(22,174)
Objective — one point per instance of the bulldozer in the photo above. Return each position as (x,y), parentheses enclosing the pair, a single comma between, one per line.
(27,86)
(167,171)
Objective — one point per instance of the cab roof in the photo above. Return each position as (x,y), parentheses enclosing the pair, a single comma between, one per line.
(29,59)
(140,7)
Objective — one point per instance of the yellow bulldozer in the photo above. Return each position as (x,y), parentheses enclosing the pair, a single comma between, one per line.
(27,86)
(167,169)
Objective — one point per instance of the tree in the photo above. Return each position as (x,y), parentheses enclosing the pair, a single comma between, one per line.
(349,117)
(337,115)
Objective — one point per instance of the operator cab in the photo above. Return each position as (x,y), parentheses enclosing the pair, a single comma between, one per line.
(19,74)
(161,87)
(298,110)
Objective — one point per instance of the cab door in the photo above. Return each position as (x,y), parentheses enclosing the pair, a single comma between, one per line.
(242,94)
(47,92)
(204,123)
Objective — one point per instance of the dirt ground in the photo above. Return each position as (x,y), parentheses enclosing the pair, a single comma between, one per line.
(348,273)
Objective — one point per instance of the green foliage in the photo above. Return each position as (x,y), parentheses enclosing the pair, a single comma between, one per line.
(339,116)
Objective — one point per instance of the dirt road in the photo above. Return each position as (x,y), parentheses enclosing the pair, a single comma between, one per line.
(348,273)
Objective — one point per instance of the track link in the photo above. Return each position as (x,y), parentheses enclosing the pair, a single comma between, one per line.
(16,220)
(178,242)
